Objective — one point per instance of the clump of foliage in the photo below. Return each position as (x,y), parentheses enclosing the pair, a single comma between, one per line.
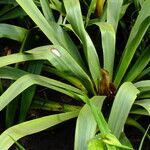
(96,58)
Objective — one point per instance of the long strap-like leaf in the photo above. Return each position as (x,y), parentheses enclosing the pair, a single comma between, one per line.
(12,32)
(108,43)
(113,12)
(21,130)
(30,79)
(139,65)
(121,107)
(57,56)
(51,29)
(86,124)
(138,31)
(74,16)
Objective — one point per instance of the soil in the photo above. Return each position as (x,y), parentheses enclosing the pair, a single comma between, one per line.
(135,138)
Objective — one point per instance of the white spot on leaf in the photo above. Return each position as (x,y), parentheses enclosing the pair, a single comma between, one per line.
(56,52)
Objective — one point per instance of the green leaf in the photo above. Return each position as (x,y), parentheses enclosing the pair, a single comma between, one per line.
(112,140)
(113,12)
(47,10)
(121,107)
(144,95)
(101,122)
(124,140)
(11,112)
(124,9)
(7,1)
(142,141)
(138,31)
(108,45)
(86,125)
(27,128)
(30,79)
(143,86)
(143,73)
(144,103)
(12,32)
(52,30)
(96,144)
(58,5)
(52,105)
(18,144)
(73,80)
(139,111)
(27,95)
(12,13)
(139,65)
(74,16)
(91,10)
(57,56)
(12,108)
(138,3)
(63,61)
(11,73)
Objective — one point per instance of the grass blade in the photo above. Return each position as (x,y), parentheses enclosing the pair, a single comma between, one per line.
(143,86)
(139,111)
(7,1)
(144,103)
(11,112)
(73,80)
(119,114)
(108,44)
(52,105)
(124,9)
(58,5)
(12,32)
(105,135)
(74,16)
(113,12)
(139,65)
(47,10)
(143,73)
(142,141)
(11,73)
(57,56)
(124,140)
(12,13)
(86,124)
(27,128)
(144,95)
(63,61)
(27,95)
(51,30)
(138,31)
(18,144)
(101,122)
(90,11)
(30,79)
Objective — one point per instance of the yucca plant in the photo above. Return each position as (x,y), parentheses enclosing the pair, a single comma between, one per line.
(90,75)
